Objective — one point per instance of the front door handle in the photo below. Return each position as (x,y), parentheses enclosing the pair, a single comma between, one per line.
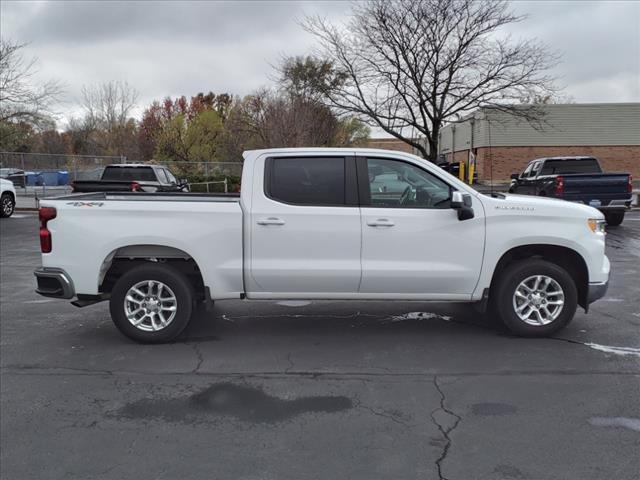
(381,222)
(270,221)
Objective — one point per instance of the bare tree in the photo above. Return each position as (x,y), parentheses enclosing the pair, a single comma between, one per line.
(20,99)
(280,120)
(413,65)
(108,109)
(109,104)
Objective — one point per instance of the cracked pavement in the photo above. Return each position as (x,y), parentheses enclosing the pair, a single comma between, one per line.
(366,390)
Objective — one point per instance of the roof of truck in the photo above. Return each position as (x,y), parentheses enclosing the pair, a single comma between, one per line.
(132,165)
(565,157)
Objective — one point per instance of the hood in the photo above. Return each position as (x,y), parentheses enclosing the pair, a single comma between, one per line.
(543,206)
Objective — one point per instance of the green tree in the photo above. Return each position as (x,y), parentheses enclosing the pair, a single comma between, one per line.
(204,136)
(195,140)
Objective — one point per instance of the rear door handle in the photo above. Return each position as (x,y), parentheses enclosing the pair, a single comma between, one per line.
(270,221)
(381,222)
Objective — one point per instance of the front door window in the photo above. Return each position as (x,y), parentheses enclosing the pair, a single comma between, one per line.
(397,184)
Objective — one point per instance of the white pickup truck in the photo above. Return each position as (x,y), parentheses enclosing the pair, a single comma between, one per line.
(314,223)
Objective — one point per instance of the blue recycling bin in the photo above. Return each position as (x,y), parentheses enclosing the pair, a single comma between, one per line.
(33,179)
(63,177)
(49,178)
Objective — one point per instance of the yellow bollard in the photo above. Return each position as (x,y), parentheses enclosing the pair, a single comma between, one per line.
(472,168)
(461,171)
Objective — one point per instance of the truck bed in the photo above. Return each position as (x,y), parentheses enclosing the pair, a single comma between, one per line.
(90,230)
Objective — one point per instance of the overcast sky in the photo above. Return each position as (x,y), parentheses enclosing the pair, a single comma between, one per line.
(175,48)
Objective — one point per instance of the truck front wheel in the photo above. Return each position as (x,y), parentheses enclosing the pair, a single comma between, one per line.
(535,298)
(7,205)
(151,303)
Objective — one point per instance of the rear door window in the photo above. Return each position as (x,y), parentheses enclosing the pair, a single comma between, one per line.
(318,181)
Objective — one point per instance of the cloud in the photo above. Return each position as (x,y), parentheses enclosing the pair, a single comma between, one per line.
(173,48)
(599,43)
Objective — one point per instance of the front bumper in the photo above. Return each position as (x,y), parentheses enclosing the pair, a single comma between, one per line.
(597,291)
(54,282)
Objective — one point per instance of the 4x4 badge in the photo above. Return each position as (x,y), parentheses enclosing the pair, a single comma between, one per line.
(85,204)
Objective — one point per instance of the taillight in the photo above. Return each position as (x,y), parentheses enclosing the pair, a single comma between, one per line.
(46,214)
(559,186)
(630,185)
(135,187)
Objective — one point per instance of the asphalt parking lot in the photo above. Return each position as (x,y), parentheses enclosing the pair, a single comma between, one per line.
(322,390)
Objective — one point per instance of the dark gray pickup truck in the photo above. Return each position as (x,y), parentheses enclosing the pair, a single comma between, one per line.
(577,179)
(131,177)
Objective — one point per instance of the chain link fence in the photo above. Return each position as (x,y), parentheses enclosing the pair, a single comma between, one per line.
(42,174)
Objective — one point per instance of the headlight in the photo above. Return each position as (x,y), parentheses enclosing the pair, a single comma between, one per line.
(596,226)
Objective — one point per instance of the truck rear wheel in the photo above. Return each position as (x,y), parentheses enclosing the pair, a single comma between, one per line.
(614,218)
(151,303)
(535,298)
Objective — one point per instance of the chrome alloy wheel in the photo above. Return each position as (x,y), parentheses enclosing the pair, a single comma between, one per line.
(150,305)
(7,206)
(538,300)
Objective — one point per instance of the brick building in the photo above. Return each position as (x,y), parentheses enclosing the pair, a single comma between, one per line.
(503,144)
(390,144)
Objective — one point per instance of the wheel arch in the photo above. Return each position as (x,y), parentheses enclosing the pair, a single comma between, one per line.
(123,258)
(11,194)
(564,257)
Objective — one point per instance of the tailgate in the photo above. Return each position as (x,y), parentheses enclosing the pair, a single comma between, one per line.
(597,186)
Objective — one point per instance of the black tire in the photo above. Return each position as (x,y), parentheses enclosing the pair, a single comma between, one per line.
(179,285)
(502,299)
(7,205)
(614,218)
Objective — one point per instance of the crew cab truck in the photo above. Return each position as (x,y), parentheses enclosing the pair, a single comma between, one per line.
(577,179)
(131,177)
(341,224)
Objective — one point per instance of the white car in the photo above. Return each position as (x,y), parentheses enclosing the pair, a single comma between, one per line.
(313,223)
(7,198)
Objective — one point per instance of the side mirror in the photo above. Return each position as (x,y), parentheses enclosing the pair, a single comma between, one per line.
(462,202)
(515,176)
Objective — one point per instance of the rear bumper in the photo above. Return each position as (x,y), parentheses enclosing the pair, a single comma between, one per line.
(616,205)
(597,291)
(54,282)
